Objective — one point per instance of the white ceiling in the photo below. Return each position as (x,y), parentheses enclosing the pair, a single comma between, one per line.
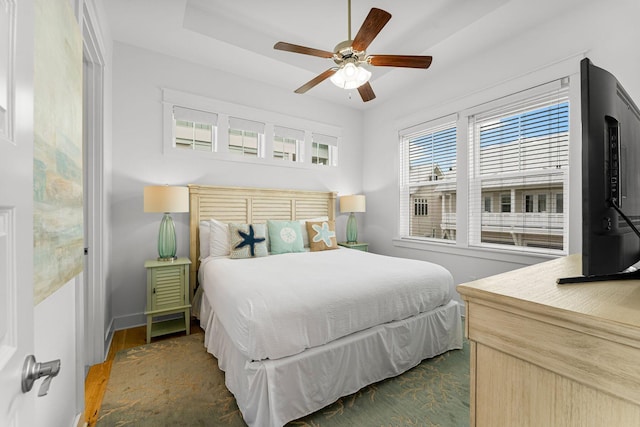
(238,36)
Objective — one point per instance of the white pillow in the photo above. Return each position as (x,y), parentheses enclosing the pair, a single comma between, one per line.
(219,240)
(305,234)
(205,231)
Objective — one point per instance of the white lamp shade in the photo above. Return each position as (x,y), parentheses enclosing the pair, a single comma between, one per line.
(350,76)
(164,198)
(354,203)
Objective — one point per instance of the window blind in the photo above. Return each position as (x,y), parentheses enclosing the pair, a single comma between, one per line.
(428,178)
(244,124)
(285,132)
(519,156)
(325,139)
(195,116)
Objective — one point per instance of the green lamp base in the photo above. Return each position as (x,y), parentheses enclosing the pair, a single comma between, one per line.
(352,229)
(167,239)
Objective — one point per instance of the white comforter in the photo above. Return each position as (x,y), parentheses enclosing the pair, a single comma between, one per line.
(280,305)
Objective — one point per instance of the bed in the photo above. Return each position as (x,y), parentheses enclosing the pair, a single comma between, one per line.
(294,332)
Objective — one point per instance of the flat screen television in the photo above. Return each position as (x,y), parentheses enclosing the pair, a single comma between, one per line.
(610,178)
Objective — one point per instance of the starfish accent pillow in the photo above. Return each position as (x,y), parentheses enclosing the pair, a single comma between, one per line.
(322,235)
(248,240)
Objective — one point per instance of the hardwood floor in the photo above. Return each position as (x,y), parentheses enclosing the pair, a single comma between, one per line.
(96,382)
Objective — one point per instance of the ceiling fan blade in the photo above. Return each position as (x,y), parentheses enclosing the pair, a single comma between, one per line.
(372,25)
(302,49)
(366,92)
(409,61)
(318,79)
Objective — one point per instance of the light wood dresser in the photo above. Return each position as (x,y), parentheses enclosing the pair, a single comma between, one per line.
(544,354)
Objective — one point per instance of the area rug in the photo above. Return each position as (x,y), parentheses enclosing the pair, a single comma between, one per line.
(177,383)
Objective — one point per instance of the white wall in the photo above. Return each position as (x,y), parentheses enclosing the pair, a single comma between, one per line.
(56,338)
(604,31)
(138,159)
(607,32)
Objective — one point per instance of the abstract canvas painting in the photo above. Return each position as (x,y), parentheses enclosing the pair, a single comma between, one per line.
(57,158)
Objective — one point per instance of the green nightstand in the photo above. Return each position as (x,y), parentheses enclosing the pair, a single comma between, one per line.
(167,293)
(364,247)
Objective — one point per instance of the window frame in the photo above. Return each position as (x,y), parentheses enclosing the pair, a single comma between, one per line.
(409,187)
(537,101)
(271,120)
(502,95)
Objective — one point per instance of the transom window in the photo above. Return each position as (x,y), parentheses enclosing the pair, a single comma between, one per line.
(194,130)
(284,148)
(287,143)
(246,137)
(323,150)
(249,135)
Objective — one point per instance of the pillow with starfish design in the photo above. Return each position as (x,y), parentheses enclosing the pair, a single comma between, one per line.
(322,235)
(248,240)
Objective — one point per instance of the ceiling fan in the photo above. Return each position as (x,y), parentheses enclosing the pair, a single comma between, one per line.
(352,59)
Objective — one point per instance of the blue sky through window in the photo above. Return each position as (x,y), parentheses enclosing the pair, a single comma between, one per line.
(541,122)
(434,149)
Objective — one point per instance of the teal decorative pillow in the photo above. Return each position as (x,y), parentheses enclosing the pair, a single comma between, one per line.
(248,240)
(285,237)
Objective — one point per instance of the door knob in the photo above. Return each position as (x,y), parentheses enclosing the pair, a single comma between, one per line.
(33,370)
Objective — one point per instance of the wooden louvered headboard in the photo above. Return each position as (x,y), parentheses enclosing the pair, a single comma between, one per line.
(250,205)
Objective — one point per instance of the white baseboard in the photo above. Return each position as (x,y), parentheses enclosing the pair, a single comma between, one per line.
(79,421)
(129,321)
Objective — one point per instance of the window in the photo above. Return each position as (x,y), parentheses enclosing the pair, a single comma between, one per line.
(487,204)
(518,158)
(428,178)
(287,143)
(249,135)
(323,149)
(284,148)
(194,130)
(243,142)
(505,203)
(528,203)
(246,137)
(320,154)
(420,207)
(559,203)
(542,202)
(520,150)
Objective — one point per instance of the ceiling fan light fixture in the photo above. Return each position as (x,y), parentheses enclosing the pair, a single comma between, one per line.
(350,76)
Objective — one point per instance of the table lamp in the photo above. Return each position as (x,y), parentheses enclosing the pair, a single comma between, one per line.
(166,199)
(351,204)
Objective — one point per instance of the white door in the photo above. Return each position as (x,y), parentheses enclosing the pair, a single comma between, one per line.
(16,208)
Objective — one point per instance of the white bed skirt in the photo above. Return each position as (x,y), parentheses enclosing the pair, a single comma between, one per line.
(274,392)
